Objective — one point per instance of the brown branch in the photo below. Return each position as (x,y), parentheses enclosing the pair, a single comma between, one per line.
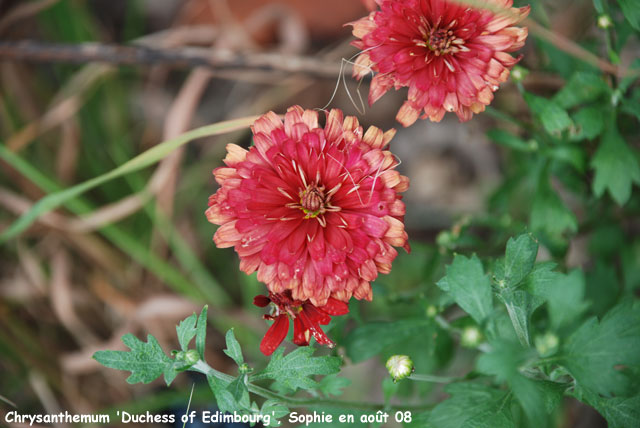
(183,58)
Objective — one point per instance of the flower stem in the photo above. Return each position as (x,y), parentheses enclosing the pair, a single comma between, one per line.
(430,378)
(204,368)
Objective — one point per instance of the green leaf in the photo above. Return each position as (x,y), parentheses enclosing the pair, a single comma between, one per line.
(467,283)
(276,410)
(146,361)
(233,348)
(224,398)
(520,305)
(509,140)
(240,392)
(186,331)
(553,117)
(294,369)
(589,122)
(519,258)
(631,11)
(581,88)
(537,398)
(201,332)
(549,213)
(370,339)
(616,167)
(333,384)
(594,351)
(619,412)
(564,293)
(571,154)
(147,158)
(472,406)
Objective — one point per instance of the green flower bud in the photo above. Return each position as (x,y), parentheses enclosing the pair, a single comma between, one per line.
(191,356)
(471,337)
(604,21)
(547,344)
(399,366)
(432,311)
(244,368)
(519,73)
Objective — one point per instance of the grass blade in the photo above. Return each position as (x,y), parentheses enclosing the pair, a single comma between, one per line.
(149,157)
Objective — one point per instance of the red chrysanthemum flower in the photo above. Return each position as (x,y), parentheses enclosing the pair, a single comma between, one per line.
(306,317)
(315,211)
(451,56)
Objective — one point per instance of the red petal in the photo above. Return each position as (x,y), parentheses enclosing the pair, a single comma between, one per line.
(335,307)
(315,329)
(275,335)
(300,333)
(261,300)
(315,315)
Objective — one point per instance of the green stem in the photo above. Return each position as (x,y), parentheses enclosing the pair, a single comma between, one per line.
(206,369)
(430,378)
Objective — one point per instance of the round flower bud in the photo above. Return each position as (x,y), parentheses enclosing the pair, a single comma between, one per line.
(191,356)
(547,344)
(432,311)
(519,73)
(399,366)
(604,21)
(471,337)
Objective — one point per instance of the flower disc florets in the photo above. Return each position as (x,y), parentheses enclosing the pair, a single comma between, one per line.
(314,210)
(451,56)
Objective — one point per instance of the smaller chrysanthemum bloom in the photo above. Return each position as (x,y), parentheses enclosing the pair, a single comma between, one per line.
(306,317)
(314,210)
(450,55)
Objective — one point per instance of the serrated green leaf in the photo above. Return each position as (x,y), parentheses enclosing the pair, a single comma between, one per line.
(333,384)
(472,406)
(520,305)
(294,369)
(593,353)
(631,11)
(186,331)
(201,332)
(554,118)
(619,412)
(581,88)
(370,339)
(239,391)
(467,283)
(146,361)
(224,398)
(275,410)
(537,398)
(564,293)
(233,348)
(616,167)
(519,259)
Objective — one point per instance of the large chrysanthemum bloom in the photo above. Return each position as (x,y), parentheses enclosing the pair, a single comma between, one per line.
(450,55)
(307,319)
(315,211)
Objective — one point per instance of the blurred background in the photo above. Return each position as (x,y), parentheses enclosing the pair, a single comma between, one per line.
(136,254)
